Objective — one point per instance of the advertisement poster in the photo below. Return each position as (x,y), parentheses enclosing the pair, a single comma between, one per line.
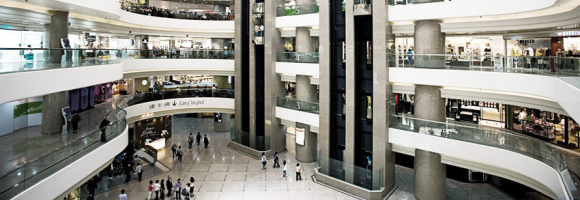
(300,136)
(84,98)
(152,129)
(27,109)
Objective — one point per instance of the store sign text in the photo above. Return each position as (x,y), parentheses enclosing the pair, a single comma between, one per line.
(569,33)
(5,26)
(174,104)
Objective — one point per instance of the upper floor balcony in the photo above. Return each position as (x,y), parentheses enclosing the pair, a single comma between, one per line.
(302,15)
(298,63)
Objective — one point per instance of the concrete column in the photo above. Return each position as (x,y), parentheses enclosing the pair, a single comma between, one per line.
(304,41)
(428,103)
(52,119)
(53,32)
(325,91)
(307,152)
(429,176)
(224,125)
(429,40)
(350,120)
(305,6)
(304,90)
(143,46)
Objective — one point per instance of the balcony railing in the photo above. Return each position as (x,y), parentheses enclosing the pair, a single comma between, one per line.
(176,14)
(522,145)
(565,68)
(24,177)
(297,57)
(294,104)
(28,59)
(301,9)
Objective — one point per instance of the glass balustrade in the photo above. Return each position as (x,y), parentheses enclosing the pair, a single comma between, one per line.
(297,57)
(362,176)
(24,177)
(301,9)
(27,59)
(529,147)
(133,7)
(565,68)
(294,104)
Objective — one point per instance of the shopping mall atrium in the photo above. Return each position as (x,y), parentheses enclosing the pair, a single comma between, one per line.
(289,99)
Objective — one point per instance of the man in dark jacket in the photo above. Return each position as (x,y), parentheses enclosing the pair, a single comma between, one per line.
(205,141)
(169,185)
(103,127)
(92,186)
(198,137)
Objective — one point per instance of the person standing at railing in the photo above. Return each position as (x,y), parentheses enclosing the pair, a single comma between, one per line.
(410,56)
(103,128)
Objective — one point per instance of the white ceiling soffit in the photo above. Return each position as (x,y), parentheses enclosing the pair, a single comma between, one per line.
(552,17)
(288,78)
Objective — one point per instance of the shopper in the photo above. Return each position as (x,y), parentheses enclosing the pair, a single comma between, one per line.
(198,138)
(162,189)
(298,172)
(190,139)
(169,185)
(178,189)
(123,196)
(276,160)
(156,188)
(75,122)
(103,127)
(284,169)
(410,56)
(173,150)
(263,161)
(179,154)
(111,170)
(150,189)
(139,170)
(92,186)
(191,185)
(128,172)
(205,141)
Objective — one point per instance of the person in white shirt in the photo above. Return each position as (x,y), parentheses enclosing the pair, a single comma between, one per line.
(123,196)
(139,170)
(298,172)
(284,168)
(263,161)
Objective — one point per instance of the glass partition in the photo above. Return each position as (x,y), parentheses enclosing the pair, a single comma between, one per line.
(362,176)
(301,9)
(294,104)
(565,68)
(37,170)
(523,145)
(29,59)
(297,57)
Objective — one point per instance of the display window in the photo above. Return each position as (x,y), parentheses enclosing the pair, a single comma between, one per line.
(571,46)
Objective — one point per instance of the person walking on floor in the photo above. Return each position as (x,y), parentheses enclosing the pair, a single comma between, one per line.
(162,189)
(191,186)
(103,128)
(298,172)
(284,168)
(169,185)
(92,186)
(150,189)
(179,154)
(198,137)
(156,188)
(205,141)
(178,189)
(173,150)
(139,170)
(276,160)
(123,196)
(75,122)
(128,172)
(190,139)
(263,161)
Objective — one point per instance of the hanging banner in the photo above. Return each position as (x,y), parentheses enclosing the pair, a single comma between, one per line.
(300,136)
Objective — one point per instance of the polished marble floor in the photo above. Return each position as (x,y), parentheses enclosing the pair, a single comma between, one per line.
(221,173)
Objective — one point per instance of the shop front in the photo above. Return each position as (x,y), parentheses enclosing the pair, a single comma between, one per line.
(152,132)
(460,50)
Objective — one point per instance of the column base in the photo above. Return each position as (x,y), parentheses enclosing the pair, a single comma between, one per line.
(351,188)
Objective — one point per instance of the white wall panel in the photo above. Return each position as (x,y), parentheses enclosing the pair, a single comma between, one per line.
(37,83)
(196,66)
(181,103)
(202,25)
(297,116)
(309,69)
(306,20)
(466,8)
